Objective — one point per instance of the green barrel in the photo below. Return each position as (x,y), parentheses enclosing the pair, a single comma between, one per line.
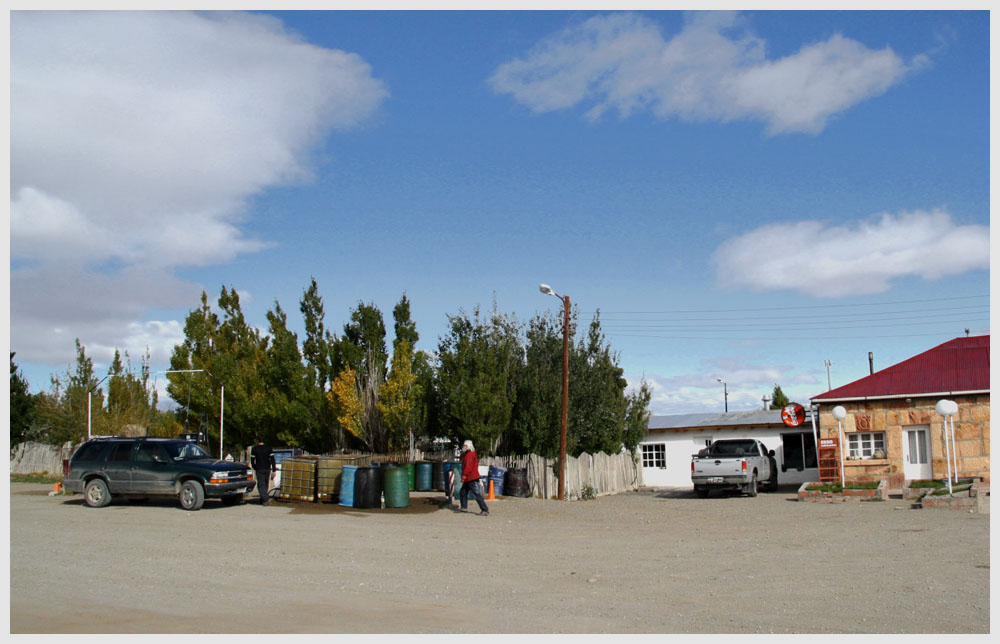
(412,469)
(424,475)
(396,487)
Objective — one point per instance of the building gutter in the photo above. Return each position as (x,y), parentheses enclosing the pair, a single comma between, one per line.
(938,394)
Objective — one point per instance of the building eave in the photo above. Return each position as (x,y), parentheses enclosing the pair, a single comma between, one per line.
(934,394)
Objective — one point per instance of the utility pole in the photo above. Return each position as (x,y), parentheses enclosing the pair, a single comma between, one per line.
(827,363)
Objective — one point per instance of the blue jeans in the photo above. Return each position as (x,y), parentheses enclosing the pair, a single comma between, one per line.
(477,494)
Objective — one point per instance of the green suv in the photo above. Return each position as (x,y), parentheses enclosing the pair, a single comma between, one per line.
(140,468)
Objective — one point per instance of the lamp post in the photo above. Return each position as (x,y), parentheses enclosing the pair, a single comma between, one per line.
(725,395)
(89,392)
(840,414)
(546,289)
(948,409)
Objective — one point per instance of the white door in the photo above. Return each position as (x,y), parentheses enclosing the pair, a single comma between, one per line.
(916,455)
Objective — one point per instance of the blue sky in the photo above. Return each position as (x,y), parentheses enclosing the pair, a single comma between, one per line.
(741,195)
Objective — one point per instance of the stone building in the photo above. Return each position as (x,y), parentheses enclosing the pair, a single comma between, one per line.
(893,431)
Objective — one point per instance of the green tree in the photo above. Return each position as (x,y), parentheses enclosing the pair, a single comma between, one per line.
(597,404)
(22,406)
(478,367)
(637,416)
(288,390)
(778,398)
(62,411)
(362,346)
(319,350)
(230,354)
(538,412)
(132,399)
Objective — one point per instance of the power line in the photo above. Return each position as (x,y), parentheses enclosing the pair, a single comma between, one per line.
(790,308)
(885,315)
(781,338)
(777,326)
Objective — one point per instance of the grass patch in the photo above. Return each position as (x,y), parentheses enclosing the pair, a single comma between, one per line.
(954,488)
(837,487)
(936,485)
(35,477)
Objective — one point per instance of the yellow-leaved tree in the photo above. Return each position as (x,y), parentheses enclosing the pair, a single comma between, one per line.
(343,396)
(398,397)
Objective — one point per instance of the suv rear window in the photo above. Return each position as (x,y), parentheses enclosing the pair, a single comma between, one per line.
(121,452)
(89,452)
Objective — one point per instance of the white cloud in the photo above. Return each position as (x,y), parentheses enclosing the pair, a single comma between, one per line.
(824,260)
(136,140)
(622,62)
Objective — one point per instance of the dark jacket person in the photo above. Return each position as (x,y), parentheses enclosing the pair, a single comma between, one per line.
(262,462)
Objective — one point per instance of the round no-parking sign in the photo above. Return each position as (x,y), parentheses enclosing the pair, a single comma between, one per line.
(793,415)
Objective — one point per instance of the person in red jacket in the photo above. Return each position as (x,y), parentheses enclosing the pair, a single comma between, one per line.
(470,480)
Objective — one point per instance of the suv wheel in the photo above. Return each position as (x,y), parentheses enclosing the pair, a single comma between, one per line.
(192,495)
(96,493)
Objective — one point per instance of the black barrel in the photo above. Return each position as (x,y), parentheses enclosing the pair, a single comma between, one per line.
(516,482)
(368,487)
(437,475)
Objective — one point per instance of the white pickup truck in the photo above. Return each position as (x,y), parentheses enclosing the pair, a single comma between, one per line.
(733,464)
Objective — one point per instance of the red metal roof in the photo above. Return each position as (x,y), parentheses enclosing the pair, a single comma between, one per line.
(962,364)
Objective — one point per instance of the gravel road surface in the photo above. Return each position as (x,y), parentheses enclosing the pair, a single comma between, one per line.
(650,562)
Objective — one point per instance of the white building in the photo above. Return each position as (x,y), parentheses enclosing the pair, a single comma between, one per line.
(671,441)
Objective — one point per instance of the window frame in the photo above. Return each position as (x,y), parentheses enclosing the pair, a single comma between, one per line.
(863,445)
(655,457)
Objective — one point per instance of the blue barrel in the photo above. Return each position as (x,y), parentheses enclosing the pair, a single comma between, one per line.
(347,486)
(496,475)
(424,476)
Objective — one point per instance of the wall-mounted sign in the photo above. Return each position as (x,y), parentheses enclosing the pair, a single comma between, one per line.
(793,415)
(828,443)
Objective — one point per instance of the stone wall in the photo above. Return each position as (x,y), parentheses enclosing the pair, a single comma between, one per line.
(893,416)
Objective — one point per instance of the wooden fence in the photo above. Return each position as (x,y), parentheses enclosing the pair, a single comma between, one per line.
(31,458)
(603,473)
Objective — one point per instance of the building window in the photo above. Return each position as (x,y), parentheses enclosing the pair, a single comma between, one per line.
(654,455)
(864,445)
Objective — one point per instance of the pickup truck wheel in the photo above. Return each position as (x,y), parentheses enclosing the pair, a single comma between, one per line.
(96,493)
(192,495)
(752,485)
(232,499)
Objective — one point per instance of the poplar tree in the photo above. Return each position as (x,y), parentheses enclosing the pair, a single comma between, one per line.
(478,366)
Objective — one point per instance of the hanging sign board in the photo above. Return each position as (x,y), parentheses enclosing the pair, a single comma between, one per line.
(793,415)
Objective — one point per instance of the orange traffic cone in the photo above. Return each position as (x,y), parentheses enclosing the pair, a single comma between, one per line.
(491,496)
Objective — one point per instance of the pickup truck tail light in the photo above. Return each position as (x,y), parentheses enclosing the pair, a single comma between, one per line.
(692,466)
(744,463)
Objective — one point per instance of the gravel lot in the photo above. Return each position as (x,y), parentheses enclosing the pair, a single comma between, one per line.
(650,562)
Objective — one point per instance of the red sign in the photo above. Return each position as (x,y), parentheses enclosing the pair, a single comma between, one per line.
(793,415)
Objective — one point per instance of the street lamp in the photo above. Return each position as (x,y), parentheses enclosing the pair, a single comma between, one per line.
(725,394)
(948,409)
(547,290)
(840,414)
(89,392)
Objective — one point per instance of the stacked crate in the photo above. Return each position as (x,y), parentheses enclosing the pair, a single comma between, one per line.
(328,472)
(298,479)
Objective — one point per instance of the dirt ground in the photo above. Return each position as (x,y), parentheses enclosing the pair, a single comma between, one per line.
(650,562)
